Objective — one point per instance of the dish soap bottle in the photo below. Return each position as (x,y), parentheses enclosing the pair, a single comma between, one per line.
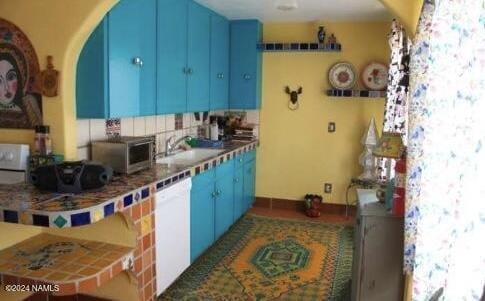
(214,128)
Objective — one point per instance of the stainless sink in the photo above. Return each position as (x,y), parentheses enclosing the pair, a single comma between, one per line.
(190,157)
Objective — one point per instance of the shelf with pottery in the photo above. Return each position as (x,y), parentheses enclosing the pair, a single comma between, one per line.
(300,47)
(72,265)
(322,45)
(350,93)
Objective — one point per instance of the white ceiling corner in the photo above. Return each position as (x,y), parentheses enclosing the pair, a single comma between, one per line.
(308,10)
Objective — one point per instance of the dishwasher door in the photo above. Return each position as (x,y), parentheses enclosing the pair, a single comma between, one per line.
(172,233)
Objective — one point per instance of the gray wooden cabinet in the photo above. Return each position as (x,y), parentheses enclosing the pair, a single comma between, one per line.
(378,252)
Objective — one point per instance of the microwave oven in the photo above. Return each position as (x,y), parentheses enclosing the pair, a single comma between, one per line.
(125,155)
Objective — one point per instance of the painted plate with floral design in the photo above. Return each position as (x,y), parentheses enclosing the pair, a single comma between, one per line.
(342,75)
(374,76)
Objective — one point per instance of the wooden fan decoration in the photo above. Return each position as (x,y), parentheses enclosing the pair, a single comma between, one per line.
(49,79)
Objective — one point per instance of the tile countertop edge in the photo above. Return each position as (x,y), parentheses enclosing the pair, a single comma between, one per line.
(60,255)
(106,208)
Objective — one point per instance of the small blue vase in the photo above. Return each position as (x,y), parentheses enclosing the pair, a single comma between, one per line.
(321,34)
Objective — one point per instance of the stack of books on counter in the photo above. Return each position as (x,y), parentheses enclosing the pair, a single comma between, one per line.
(245,132)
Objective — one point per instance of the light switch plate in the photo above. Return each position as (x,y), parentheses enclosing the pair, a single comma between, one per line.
(331,127)
(327,188)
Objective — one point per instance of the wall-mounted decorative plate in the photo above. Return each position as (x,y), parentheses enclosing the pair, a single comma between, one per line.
(342,75)
(374,76)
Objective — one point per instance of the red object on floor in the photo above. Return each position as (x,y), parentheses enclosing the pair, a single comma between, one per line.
(398,206)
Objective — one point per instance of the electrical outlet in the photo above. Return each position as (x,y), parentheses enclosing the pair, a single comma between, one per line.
(331,127)
(327,188)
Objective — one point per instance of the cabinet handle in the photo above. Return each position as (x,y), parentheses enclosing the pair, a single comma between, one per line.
(236,180)
(190,71)
(184,70)
(247,76)
(214,194)
(218,192)
(220,75)
(137,61)
(240,160)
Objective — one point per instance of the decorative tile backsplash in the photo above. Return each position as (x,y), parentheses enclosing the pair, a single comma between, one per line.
(162,126)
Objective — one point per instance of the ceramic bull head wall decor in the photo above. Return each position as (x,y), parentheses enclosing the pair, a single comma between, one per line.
(293,103)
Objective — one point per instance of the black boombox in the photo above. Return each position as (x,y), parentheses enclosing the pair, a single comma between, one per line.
(71,177)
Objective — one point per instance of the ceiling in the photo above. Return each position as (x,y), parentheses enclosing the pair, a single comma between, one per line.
(308,10)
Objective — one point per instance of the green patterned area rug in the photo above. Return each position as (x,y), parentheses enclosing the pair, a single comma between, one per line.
(263,258)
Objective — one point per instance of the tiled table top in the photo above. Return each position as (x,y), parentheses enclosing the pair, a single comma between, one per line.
(25,204)
(73,264)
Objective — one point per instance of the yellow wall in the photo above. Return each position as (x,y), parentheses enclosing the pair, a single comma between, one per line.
(58,28)
(297,155)
(407,11)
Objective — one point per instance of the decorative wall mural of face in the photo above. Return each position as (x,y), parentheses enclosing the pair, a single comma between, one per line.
(9,83)
(20,100)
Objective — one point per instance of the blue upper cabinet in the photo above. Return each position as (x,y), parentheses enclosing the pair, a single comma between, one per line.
(116,75)
(246,60)
(198,61)
(183,57)
(148,78)
(152,57)
(172,56)
(219,59)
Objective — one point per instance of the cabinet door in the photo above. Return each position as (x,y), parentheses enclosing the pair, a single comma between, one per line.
(198,58)
(201,220)
(172,56)
(224,203)
(249,183)
(239,201)
(219,63)
(245,81)
(148,77)
(92,75)
(124,21)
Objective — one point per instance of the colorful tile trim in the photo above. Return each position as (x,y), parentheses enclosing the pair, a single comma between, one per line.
(10,216)
(143,217)
(300,47)
(356,93)
(77,266)
(63,211)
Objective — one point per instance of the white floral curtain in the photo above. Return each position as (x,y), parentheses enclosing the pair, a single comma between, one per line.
(395,115)
(445,205)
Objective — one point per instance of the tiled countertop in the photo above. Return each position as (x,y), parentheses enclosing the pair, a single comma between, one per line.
(25,204)
(75,265)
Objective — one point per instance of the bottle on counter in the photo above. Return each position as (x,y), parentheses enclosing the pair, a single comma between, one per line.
(42,140)
(214,128)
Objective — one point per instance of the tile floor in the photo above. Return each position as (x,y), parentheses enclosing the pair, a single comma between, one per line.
(288,213)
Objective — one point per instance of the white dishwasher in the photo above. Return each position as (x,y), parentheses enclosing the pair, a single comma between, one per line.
(172,233)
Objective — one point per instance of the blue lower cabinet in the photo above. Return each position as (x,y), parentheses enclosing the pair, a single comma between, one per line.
(239,207)
(249,183)
(202,214)
(218,198)
(224,205)
(224,189)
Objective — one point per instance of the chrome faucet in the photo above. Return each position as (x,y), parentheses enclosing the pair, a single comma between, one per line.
(171,146)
